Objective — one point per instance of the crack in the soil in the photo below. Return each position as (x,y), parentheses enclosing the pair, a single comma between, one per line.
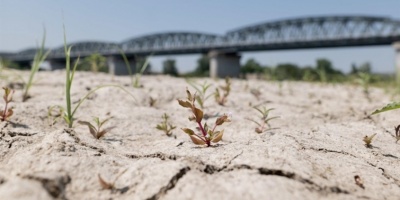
(55,187)
(171,184)
(330,151)
(389,177)
(14,133)
(212,169)
(2,128)
(390,156)
(294,176)
(395,181)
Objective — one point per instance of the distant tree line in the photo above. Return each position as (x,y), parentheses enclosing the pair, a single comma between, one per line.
(322,71)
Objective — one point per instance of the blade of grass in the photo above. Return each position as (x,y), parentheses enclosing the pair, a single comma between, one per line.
(128,66)
(391,106)
(38,59)
(138,75)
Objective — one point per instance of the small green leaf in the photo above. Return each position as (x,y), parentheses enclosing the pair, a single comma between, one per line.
(97,121)
(391,106)
(205,127)
(8,94)
(269,119)
(159,127)
(368,139)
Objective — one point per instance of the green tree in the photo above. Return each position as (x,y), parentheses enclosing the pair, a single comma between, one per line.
(327,72)
(203,66)
(251,66)
(169,67)
(5,63)
(94,63)
(364,68)
(309,74)
(287,71)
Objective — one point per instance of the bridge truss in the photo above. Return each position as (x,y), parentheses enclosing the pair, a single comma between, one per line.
(306,32)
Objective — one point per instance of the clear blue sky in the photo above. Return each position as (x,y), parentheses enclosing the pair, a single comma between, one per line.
(105,20)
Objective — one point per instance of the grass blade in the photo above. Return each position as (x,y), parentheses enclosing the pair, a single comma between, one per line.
(390,106)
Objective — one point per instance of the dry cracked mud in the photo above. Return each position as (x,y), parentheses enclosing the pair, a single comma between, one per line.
(315,153)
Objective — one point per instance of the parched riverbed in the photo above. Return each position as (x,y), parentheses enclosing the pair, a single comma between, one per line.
(315,153)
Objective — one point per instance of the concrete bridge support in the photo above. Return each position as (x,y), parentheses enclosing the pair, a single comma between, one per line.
(396,46)
(224,64)
(117,65)
(58,64)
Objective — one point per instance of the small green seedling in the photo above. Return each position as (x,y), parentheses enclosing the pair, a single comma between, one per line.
(368,140)
(54,113)
(135,79)
(105,185)
(388,107)
(70,72)
(206,135)
(40,56)
(7,112)
(397,133)
(221,97)
(201,90)
(165,125)
(364,79)
(96,130)
(263,125)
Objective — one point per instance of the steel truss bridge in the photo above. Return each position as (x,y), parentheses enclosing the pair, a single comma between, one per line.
(297,33)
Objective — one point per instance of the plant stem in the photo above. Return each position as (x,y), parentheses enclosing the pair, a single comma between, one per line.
(3,118)
(204,133)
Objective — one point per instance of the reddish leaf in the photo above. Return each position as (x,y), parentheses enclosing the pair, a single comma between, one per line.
(196,140)
(198,114)
(185,104)
(103,132)
(221,120)
(189,95)
(218,136)
(188,131)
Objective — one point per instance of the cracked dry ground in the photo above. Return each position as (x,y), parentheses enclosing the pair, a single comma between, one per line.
(315,154)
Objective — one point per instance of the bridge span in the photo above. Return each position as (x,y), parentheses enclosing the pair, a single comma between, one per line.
(223,50)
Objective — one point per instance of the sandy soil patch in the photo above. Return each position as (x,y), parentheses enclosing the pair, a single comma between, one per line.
(315,154)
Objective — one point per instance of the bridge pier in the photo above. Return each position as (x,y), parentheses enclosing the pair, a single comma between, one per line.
(57,64)
(117,65)
(396,46)
(224,64)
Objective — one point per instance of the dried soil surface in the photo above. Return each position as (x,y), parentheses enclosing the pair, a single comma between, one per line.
(315,154)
